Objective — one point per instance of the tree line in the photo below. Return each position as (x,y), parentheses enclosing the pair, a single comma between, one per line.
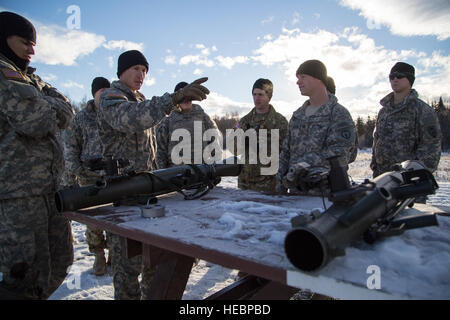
(364,127)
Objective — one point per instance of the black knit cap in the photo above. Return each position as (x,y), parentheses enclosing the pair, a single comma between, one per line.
(99,83)
(407,69)
(130,58)
(180,85)
(12,24)
(314,68)
(264,84)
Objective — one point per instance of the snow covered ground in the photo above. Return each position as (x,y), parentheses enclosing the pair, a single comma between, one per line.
(206,278)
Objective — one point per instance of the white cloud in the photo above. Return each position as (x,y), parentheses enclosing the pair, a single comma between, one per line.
(295,18)
(198,72)
(57,45)
(111,61)
(268,20)
(219,105)
(123,45)
(170,59)
(199,59)
(60,46)
(358,65)
(229,62)
(72,84)
(149,82)
(407,17)
(49,77)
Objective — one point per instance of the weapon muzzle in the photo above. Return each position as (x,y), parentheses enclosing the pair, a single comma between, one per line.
(305,249)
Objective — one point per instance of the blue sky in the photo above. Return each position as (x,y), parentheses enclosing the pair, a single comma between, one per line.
(236,42)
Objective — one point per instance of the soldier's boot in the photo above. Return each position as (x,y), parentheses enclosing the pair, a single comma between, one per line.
(99,264)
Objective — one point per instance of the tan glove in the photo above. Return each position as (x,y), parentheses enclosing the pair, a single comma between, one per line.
(192,92)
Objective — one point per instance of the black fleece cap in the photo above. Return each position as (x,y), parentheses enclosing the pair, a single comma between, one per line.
(130,58)
(180,85)
(99,83)
(407,69)
(264,84)
(11,24)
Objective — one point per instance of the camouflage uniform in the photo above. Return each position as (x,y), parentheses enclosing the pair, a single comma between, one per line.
(35,240)
(250,177)
(406,131)
(82,143)
(125,122)
(330,131)
(179,120)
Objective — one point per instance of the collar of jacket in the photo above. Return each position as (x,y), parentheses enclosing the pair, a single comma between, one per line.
(195,109)
(270,113)
(323,109)
(12,65)
(388,101)
(90,108)
(130,94)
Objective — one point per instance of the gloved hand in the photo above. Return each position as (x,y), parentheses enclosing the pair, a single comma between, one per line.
(86,176)
(193,91)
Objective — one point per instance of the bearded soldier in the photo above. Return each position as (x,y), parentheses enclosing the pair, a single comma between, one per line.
(35,240)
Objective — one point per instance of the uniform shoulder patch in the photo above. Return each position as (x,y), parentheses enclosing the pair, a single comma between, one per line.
(12,74)
(116,95)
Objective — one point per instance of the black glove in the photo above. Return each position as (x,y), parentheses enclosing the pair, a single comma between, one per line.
(193,91)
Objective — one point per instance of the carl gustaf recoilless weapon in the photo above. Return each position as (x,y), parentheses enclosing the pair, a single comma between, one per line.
(367,210)
(130,188)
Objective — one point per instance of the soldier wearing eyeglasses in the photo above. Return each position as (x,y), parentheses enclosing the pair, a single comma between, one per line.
(407,128)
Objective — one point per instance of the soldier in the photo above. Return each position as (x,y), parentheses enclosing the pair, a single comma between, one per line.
(82,143)
(318,130)
(183,117)
(125,121)
(262,116)
(35,240)
(407,128)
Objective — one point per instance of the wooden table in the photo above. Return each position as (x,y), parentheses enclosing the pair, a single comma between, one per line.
(238,230)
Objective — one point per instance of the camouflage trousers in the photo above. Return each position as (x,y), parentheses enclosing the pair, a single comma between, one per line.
(265,184)
(35,248)
(96,240)
(126,272)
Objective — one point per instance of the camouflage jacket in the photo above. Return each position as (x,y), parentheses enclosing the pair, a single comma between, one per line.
(329,132)
(31,113)
(180,120)
(125,124)
(250,177)
(82,140)
(409,131)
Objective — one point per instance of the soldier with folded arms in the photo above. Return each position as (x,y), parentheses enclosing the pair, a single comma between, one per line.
(35,240)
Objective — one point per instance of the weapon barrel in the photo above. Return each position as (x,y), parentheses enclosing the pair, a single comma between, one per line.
(416,221)
(310,246)
(144,183)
